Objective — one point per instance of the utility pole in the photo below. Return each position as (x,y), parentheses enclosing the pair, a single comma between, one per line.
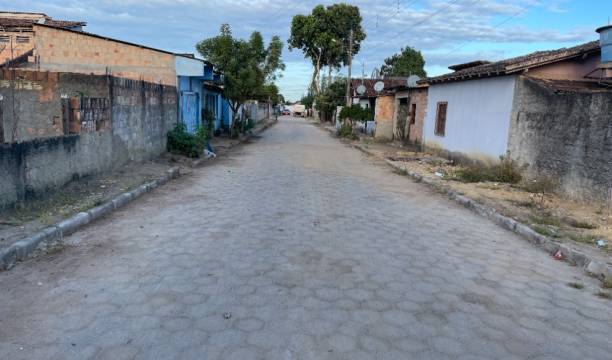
(350,65)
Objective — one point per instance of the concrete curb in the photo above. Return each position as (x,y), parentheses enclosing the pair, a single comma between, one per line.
(573,256)
(53,235)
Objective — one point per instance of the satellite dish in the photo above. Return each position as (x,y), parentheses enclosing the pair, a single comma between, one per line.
(412,80)
(361,89)
(379,86)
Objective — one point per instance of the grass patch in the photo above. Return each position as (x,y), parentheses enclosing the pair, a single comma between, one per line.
(525,204)
(504,171)
(607,283)
(545,220)
(576,285)
(581,224)
(402,172)
(604,295)
(586,239)
(543,230)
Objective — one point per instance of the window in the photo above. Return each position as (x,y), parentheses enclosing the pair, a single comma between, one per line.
(441,119)
(5,38)
(413,114)
(22,39)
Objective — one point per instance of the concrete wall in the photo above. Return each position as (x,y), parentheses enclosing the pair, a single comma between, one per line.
(383,116)
(141,114)
(71,51)
(478,116)
(566,136)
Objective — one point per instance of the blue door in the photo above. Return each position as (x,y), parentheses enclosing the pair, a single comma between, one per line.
(189,111)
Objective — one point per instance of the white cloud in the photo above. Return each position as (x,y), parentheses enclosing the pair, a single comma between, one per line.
(441,28)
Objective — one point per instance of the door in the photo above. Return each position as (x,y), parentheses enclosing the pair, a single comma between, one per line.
(189,111)
(402,116)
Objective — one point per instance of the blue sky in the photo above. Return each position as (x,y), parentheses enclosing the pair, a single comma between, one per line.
(446,31)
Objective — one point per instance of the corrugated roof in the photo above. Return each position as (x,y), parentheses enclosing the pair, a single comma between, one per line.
(517,64)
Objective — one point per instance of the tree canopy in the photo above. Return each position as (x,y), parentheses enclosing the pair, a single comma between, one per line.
(408,62)
(248,66)
(324,37)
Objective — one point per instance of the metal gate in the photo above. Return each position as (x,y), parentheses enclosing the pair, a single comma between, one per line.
(189,111)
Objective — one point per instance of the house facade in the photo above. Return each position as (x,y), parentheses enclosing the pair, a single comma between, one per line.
(364,93)
(470,110)
(409,115)
(549,110)
(17,33)
(199,91)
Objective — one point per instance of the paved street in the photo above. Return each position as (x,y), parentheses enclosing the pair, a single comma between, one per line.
(298,247)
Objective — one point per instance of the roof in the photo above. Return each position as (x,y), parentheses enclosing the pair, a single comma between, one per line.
(517,64)
(468,65)
(38,18)
(390,83)
(571,86)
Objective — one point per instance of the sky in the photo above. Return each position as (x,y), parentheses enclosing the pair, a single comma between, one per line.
(447,32)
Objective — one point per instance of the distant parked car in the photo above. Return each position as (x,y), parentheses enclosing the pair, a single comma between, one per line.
(286,112)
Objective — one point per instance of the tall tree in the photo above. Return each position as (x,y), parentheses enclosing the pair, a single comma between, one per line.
(324,36)
(248,67)
(408,62)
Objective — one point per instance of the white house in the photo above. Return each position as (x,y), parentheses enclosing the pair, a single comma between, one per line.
(471,110)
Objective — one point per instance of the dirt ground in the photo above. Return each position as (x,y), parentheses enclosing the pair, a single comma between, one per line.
(77,196)
(586,225)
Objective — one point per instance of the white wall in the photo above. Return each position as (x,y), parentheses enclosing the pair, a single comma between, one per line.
(477,118)
(188,67)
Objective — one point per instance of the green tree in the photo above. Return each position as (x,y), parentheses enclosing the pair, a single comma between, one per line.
(323,36)
(248,67)
(330,98)
(408,62)
(308,100)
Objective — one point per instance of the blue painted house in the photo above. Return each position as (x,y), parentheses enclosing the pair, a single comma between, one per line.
(199,89)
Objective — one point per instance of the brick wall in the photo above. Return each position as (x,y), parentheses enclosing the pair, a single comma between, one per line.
(14,45)
(141,114)
(418,97)
(385,107)
(71,51)
(32,101)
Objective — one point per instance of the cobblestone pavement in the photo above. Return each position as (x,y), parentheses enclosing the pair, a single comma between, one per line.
(297,247)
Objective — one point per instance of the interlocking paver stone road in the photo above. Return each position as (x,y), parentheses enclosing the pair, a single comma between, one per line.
(297,247)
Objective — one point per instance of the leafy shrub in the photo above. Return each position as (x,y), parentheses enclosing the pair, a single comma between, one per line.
(346,131)
(356,113)
(249,125)
(183,143)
